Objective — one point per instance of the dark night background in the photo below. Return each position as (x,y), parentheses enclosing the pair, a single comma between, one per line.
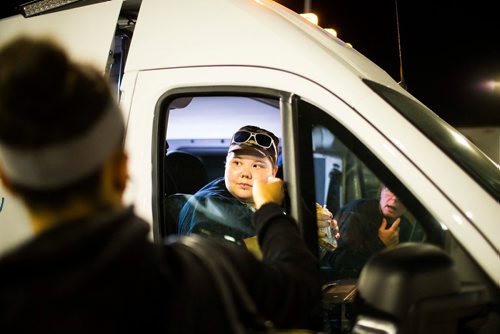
(449,49)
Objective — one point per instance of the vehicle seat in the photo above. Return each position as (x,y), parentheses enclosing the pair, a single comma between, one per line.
(172,205)
(185,173)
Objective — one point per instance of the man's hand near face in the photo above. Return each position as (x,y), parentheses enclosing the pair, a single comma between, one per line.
(389,236)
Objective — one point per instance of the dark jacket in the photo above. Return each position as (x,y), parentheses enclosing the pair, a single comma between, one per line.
(214,211)
(103,275)
(359,222)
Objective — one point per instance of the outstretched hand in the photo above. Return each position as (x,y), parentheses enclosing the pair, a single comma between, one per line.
(389,236)
(268,192)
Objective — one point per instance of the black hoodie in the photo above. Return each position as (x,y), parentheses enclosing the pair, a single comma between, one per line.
(103,275)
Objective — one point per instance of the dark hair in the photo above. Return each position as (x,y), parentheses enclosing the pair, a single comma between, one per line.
(45,99)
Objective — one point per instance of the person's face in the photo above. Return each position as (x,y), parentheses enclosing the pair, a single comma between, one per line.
(242,170)
(390,205)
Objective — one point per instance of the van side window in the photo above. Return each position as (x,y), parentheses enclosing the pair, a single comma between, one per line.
(363,207)
(372,207)
(197,133)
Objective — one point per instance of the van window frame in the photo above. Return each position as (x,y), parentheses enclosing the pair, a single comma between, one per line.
(160,126)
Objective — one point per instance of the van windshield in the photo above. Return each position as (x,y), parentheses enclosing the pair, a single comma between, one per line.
(448,139)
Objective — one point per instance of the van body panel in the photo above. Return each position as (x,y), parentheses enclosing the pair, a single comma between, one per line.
(86,32)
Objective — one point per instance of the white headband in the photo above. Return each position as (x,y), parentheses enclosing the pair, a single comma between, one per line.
(57,165)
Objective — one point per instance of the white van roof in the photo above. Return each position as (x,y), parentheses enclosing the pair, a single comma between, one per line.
(172,33)
(247,33)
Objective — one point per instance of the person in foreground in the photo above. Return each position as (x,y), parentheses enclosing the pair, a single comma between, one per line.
(90,267)
(368,226)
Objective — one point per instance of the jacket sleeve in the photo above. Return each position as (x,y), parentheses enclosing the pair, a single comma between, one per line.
(285,285)
(288,288)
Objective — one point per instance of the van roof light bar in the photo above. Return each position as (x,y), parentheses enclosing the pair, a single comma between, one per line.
(38,7)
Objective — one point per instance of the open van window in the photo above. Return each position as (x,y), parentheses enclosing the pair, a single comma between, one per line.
(197,132)
(203,125)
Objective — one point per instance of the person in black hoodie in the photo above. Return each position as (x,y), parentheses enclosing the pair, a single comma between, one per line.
(90,267)
(368,226)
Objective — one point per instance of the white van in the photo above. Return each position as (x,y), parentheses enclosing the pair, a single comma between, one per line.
(190,73)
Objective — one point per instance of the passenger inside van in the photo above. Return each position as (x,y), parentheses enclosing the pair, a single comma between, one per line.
(224,207)
(368,226)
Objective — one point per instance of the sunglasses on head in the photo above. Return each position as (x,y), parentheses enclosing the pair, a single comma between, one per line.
(261,139)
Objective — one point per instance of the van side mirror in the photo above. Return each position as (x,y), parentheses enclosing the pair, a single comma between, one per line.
(414,288)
